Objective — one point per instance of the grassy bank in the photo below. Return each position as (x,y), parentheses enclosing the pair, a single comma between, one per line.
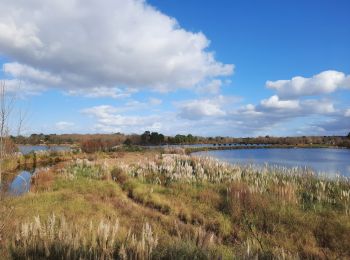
(168,206)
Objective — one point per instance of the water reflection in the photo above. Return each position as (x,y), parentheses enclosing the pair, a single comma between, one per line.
(21,184)
(26,149)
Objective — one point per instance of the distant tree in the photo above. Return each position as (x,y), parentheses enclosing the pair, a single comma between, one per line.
(190,139)
(127,142)
(349,135)
(156,138)
(145,137)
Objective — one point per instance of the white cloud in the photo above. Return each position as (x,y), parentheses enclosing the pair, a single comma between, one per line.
(347,113)
(100,92)
(274,114)
(322,83)
(322,107)
(197,109)
(107,115)
(63,125)
(76,44)
(275,103)
(213,87)
(155,101)
(22,88)
(216,115)
(200,108)
(111,119)
(27,73)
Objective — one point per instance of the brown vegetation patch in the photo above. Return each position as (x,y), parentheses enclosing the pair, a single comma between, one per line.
(43,180)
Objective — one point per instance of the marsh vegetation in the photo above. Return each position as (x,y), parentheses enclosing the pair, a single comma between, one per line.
(153,205)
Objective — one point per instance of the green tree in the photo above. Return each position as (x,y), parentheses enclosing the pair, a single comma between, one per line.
(145,137)
(128,142)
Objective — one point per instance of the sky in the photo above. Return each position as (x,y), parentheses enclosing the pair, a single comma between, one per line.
(210,68)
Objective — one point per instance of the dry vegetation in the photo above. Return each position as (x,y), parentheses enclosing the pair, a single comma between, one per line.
(172,206)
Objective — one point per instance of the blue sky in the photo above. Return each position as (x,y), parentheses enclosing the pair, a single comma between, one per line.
(231,68)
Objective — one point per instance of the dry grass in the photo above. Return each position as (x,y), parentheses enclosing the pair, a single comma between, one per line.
(57,238)
(43,180)
(198,208)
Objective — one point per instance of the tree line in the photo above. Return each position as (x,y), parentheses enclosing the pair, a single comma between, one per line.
(105,142)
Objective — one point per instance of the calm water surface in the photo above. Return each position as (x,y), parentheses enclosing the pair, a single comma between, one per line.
(25,149)
(21,183)
(204,145)
(327,161)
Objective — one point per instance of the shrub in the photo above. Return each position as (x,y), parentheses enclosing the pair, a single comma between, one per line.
(119,175)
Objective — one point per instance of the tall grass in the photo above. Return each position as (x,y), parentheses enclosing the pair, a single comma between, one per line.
(201,208)
(297,185)
(291,185)
(58,239)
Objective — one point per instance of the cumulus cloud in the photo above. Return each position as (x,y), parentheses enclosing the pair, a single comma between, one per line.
(111,119)
(322,83)
(275,103)
(217,115)
(63,125)
(107,115)
(273,113)
(213,87)
(76,44)
(197,109)
(295,107)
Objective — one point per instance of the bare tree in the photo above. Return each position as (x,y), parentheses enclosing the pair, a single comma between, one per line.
(7,113)
(6,108)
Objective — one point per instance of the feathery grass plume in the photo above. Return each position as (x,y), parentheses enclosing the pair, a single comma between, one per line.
(57,238)
(291,185)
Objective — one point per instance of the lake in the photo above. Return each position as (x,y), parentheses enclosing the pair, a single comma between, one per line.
(26,149)
(321,160)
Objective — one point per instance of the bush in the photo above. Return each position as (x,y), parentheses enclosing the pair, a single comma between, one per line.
(119,176)
(95,145)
